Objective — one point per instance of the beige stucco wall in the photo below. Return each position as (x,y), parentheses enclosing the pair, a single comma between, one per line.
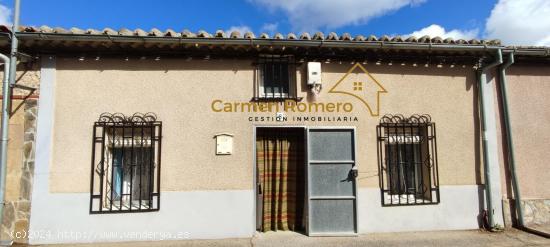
(28,74)
(180,93)
(15,153)
(528,100)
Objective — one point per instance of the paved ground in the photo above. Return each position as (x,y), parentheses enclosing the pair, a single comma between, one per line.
(541,228)
(508,238)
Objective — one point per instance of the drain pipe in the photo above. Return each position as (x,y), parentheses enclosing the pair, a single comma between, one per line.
(10,69)
(5,124)
(510,144)
(509,140)
(482,79)
(14,44)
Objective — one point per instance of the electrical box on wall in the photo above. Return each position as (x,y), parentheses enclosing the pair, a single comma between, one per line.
(313,73)
(224,144)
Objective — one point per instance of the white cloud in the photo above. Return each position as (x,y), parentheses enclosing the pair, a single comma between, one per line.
(5,15)
(544,42)
(520,22)
(269,28)
(436,30)
(312,15)
(241,29)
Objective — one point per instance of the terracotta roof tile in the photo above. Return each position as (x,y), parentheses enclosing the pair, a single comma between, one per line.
(461,41)
(187,34)
(397,39)
(332,36)
(93,32)
(109,31)
(411,39)
(61,30)
(370,38)
(126,32)
(46,29)
(235,35)
(305,36)
(385,38)
(319,36)
(437,40)
(220,34)
(345,37)
(140,32)
(474,42)
(30,29)
(75,30)
(203,34)
(155,32)
(171,33)
(424,39)
(249,35)
(359,38)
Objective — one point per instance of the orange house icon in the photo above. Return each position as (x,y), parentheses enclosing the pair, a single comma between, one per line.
(360,84)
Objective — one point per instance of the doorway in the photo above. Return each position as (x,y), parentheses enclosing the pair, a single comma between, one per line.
(306,180)
(280,178)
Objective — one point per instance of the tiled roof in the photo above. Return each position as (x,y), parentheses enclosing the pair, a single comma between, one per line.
(52,40)
(220,34)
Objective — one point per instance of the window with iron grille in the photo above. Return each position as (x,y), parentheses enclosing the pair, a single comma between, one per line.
(407,156)
(125,163)
(275,77)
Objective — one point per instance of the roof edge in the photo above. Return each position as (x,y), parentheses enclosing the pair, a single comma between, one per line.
(345,41)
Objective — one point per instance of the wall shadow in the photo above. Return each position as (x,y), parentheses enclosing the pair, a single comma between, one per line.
(482,217)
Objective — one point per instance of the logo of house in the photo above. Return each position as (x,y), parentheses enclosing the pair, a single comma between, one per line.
(359,83)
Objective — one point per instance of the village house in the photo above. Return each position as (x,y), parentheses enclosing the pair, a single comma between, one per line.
(131,135)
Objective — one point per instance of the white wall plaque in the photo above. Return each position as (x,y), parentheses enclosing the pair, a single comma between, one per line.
(224,143)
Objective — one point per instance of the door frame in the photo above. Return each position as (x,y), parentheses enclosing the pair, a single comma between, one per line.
(307,194)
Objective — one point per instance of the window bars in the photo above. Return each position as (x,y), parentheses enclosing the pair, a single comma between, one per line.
(407,157)
(275,78)
(125,172)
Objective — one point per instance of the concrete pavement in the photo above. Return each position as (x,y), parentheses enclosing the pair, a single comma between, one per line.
(473,238)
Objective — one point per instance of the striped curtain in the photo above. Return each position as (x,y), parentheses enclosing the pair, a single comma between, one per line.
(280,168)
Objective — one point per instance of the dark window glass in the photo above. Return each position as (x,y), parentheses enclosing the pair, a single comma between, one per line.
(132,167)
(276,77)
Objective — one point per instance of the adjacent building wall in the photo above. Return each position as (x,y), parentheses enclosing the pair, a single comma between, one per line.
(20,166)
(528,93)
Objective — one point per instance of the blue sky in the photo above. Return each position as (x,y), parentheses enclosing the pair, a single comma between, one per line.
(458,19)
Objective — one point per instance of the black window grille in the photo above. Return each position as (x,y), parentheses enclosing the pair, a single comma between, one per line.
(275,77)
(125,163)
(407,157)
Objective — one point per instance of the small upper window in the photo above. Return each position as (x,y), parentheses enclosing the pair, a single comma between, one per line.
(275,77)
(126,163)
(407,160)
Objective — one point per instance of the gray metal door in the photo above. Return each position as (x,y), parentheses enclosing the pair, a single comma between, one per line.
(331,182)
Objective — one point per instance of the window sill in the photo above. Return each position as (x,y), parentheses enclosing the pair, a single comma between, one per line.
(270,99)
(135,206)
(405,200)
